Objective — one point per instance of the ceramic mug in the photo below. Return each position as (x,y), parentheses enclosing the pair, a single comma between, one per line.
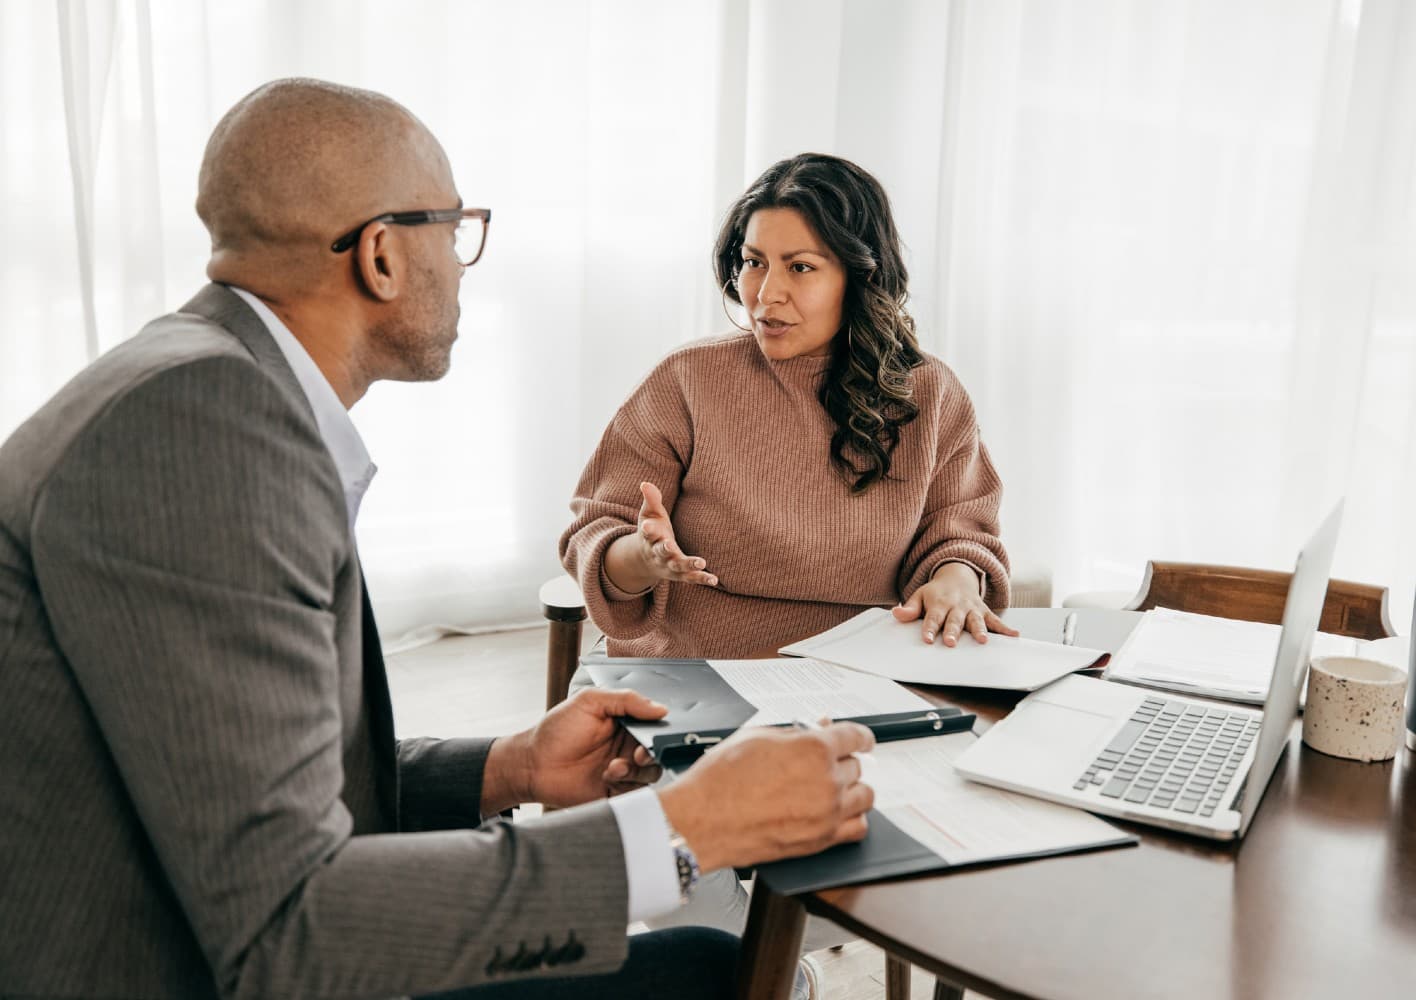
(1354,707)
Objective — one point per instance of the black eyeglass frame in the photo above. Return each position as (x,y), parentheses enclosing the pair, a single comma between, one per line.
(421,218)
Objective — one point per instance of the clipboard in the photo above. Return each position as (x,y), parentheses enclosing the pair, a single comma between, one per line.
(704,710)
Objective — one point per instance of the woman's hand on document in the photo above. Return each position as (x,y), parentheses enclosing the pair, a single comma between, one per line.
(636,562)
(766,794)
(952,601)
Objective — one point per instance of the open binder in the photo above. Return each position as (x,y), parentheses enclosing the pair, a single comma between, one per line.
(927,818)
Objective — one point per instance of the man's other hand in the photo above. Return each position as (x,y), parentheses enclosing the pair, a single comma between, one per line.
(579,752)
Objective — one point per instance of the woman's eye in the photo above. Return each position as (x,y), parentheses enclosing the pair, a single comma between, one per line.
(801,267)
(751,262)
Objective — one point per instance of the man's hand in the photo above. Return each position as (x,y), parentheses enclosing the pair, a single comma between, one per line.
(638,561)
(578,752)
(951,600)
(767,794)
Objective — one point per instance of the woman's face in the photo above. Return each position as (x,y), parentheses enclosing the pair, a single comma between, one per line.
(791,284)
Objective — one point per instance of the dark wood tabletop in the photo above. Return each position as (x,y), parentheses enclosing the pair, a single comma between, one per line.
(1319,900)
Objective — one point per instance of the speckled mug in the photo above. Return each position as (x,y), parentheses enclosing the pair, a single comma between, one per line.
(1354,708)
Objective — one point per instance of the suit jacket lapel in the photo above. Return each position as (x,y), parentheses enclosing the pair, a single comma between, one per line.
(224,307)
(379,707)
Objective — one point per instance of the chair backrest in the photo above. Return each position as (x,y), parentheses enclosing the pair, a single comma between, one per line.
(1257,595)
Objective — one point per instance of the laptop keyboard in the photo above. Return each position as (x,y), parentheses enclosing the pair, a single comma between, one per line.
(1173,755)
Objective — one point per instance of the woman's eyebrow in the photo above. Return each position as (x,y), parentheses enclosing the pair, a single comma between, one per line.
(790,254)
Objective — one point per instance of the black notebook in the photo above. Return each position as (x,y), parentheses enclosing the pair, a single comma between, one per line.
(927,818)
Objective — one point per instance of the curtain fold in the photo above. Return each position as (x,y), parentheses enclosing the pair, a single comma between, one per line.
(88,34)
(1168,248)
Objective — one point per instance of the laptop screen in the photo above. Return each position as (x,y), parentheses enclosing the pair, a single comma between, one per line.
(1301,613)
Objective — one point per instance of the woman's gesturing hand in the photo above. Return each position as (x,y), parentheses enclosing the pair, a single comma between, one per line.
(662,554)
(636,562)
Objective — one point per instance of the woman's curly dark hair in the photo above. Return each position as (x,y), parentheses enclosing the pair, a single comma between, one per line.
(868,387)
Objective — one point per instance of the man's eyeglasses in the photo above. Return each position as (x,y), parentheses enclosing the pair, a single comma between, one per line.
(471,237)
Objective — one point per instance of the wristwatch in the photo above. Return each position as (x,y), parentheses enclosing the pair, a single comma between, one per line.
(686,864)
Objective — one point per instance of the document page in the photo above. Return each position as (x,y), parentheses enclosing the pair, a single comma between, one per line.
(917,788)
(788,689)
(1221,657)
(873,641)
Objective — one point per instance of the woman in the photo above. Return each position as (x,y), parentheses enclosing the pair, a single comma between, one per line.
(755,490)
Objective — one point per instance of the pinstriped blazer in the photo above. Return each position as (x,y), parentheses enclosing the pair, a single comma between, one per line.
(202,795)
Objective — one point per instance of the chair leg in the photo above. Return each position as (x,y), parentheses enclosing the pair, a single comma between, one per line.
(944,991)
(562,655)
(897,978)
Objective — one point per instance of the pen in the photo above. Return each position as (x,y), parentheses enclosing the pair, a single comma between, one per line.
(1069,628)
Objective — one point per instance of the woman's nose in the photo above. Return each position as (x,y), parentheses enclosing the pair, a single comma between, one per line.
(773,288)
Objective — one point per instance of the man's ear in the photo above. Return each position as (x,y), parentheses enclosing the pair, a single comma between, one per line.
(379,261)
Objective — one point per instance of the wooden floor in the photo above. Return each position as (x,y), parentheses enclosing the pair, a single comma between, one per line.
(488,685)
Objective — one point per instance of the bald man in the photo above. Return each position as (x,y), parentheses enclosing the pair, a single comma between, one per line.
(203,793)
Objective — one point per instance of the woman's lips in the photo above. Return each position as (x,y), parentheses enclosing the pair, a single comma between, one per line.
(774,328)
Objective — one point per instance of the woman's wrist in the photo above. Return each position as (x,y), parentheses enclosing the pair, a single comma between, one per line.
(626,568)
(959,572)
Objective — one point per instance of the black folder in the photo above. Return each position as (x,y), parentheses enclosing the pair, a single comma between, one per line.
(704,709)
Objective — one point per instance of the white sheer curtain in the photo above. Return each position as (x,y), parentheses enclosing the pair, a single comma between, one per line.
(1168,247)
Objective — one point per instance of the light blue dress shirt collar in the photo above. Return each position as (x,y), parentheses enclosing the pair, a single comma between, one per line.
(341,437)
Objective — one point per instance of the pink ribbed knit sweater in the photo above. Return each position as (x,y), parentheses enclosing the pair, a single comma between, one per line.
(740,447)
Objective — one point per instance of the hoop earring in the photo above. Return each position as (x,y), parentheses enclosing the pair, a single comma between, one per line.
(742,329)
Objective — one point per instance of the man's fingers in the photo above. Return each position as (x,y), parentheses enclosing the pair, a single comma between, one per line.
(996,624)
(846,738)
(847,771)
(620,772)
(857,799)
(615,702)
(851,830)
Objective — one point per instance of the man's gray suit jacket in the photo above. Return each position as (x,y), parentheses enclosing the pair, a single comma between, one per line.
(202,792)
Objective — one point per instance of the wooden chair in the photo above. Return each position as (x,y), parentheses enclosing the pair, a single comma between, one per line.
(1257,595)
(564,608)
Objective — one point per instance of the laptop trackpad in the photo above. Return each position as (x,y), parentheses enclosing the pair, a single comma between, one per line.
(1047,742)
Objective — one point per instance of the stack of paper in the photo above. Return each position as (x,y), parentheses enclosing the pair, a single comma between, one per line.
(873,641)
(1223,658)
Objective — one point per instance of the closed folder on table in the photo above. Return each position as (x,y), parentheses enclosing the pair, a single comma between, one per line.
(673,750)
(926,817)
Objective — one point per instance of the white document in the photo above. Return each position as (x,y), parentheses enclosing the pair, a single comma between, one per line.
(917,788)
(873,641)
(784,690)
(1221,657)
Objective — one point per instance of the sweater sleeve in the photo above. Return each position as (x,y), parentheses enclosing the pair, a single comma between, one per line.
(960,519)
(650,439)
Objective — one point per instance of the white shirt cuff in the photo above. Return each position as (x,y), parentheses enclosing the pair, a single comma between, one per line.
(648,859)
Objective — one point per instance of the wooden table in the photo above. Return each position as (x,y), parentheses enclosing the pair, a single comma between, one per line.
(1319,900)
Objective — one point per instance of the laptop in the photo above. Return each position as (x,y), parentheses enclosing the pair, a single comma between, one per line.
(1185,764)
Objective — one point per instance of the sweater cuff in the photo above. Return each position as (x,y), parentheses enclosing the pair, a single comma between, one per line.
(620,615)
